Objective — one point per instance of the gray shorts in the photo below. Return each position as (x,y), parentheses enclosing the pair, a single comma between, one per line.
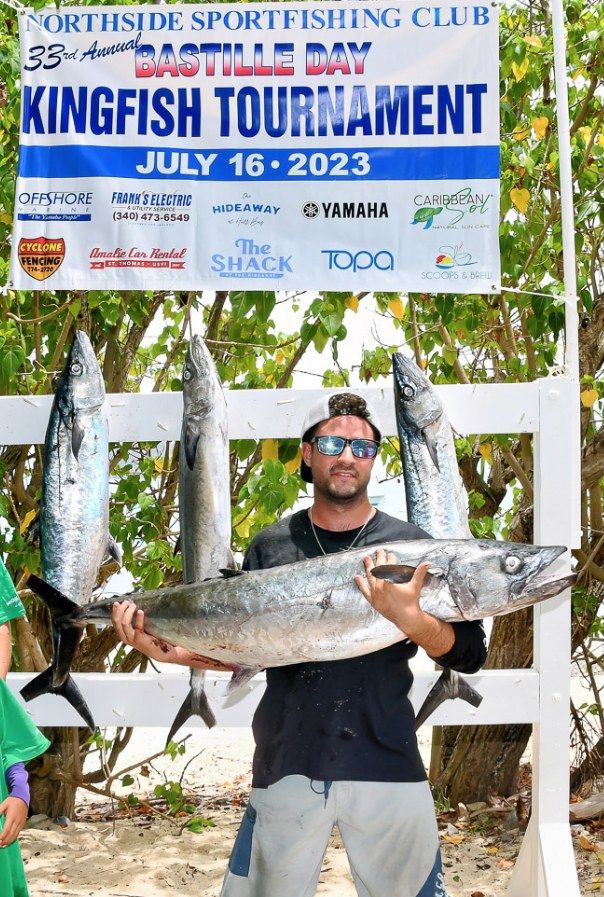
(388,829)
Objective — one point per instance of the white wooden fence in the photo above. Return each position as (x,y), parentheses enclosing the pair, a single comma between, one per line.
(549,409)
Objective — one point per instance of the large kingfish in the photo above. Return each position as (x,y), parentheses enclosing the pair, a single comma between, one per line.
(313,611)
(74,512)
(204,496)
(436,497)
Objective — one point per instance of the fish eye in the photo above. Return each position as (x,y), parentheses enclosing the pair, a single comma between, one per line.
(76,368)
(512,563)
(408,390)
(186,375)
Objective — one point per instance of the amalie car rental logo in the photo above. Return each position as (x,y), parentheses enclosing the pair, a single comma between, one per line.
(40,257)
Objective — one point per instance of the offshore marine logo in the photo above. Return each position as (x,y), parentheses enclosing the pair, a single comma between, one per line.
(54,205)
(40,257)
(362,260)
(251,259)
(352,210)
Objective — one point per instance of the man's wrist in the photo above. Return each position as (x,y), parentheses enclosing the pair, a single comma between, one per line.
(435,636)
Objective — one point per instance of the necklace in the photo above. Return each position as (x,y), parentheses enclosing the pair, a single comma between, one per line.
(354,541)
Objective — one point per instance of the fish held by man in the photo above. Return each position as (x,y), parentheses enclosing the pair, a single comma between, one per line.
(312,610)
(74,513)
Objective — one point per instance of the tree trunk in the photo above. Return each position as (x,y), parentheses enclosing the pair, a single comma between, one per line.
(477,761)
(53,776)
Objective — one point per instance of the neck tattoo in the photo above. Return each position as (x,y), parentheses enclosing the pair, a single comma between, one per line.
(354,541)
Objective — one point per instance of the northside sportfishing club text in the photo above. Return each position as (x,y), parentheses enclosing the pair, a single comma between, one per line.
(298,110)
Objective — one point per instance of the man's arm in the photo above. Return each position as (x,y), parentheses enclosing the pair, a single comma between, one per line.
(128,622)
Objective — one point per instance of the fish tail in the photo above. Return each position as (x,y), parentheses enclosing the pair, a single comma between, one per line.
(448,685)
(65,615)
(195,704)
(43,684)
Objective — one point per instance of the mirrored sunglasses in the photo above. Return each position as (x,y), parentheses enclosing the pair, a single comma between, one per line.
(335,445)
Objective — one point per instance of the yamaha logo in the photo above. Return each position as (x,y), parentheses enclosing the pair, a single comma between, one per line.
(352,210)
(311,210)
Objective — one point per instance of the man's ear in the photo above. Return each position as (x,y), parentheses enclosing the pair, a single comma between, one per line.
(306,449)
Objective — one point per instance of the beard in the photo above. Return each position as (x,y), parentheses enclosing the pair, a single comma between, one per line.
(343,491)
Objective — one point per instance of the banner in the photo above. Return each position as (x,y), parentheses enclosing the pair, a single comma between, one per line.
(329,146)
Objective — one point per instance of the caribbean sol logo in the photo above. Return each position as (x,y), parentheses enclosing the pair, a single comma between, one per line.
(40,257)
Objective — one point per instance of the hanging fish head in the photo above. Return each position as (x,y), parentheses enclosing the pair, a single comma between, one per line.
(80,389)
(202,389)
(489,578)
(416,401)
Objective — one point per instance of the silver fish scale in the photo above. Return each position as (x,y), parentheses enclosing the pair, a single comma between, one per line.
(312,610)
(436,500)
(204,492)
(74,516)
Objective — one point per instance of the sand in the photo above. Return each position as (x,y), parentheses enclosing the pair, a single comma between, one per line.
(147,855)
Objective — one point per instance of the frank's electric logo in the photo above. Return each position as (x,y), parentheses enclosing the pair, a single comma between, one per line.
(40,257)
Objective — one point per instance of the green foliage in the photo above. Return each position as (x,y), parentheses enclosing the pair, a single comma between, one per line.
(140,337)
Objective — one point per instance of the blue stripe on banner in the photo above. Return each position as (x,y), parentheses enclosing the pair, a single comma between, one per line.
(52,216)
(369,164)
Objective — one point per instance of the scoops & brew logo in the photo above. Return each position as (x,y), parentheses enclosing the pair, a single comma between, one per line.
(40,257)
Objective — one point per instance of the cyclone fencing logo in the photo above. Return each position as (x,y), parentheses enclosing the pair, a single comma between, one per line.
(40,257)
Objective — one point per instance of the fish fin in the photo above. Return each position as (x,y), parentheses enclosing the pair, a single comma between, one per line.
(177,546)
(398,573)
(431,446)
(448,686)
(228,573)
(65,650)
(62,609)
(64,614)
(191,441)
(42,685)
(114,550)
(195,704)
(77,436)
(240,677)
(231,562)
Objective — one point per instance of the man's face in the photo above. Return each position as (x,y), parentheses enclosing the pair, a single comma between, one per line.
(342,477)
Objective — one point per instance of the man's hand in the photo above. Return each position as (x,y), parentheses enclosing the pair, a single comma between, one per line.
(15,817)
(399,603)
(128,622)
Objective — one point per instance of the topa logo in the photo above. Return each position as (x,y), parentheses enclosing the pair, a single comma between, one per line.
(363,260)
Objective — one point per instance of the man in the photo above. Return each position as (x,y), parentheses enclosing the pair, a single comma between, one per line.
(335,742)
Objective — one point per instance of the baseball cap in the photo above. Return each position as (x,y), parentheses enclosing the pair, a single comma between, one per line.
(337,405)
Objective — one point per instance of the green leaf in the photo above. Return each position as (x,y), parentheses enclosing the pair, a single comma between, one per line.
(199,823)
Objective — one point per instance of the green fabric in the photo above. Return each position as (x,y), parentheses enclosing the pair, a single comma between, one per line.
(20,741)
(10,604)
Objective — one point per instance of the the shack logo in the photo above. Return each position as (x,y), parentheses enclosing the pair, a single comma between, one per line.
(133,257)
(40,257)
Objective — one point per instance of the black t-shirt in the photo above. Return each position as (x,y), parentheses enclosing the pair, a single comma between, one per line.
(344,719)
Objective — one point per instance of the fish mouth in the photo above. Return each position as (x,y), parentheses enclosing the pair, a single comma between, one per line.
(539,586)
(539,589)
